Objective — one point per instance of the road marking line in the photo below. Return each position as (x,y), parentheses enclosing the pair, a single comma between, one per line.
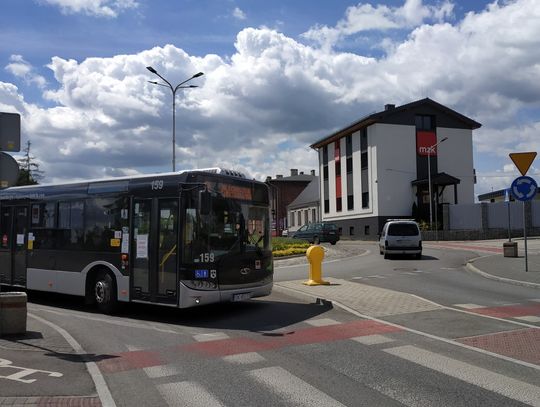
(111,321)
(99,381)
(215,336)
(375,276)
(293,390)
(410,273)
(188,394)
(486,379)
(529,318)
(322,322)
(372,339)
(535,299)
(324,262)
(468,306)
(244,358)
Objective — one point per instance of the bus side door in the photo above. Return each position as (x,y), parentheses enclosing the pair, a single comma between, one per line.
(6,233)
(14,233)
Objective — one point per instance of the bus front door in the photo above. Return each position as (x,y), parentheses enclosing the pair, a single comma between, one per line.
(155,247)
(14,235)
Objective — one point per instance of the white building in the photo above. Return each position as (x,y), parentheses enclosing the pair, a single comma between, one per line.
(377,167)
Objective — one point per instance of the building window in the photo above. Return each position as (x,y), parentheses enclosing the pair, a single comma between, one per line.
(425,122)
(349,165)
(363,160)
(325,173)
(299,214)
(314,215)
(326,206)
(338,204)
(325,155)
(306,216)
(292,218)
(351,230)
(366,230)
(350,202)
(365,200)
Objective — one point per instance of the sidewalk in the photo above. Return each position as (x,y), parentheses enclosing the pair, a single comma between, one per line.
(492,264)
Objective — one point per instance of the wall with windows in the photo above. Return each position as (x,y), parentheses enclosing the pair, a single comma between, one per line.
(301,216)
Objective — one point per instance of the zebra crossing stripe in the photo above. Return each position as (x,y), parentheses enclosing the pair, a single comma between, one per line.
(293,390)
(188,394)
(244,358)
(486,379)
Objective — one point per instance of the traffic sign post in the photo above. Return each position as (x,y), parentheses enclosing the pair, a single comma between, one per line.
(524,189)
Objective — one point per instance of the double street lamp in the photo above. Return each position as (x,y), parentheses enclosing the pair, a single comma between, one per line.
(431,150)
(174,89)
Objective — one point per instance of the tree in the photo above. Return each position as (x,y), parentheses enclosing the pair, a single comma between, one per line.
(29,172)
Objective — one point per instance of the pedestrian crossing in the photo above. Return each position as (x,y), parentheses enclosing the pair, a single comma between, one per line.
(289,386)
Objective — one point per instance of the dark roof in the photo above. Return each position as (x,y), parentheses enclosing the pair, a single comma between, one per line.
(309,195)
(293,178)
(386,114)
(442,178)
(492,195)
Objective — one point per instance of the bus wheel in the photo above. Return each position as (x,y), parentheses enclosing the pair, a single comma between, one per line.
(105,293)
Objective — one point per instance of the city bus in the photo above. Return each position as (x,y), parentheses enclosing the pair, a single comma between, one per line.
(177,239)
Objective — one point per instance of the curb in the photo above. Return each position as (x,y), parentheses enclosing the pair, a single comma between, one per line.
(471,267)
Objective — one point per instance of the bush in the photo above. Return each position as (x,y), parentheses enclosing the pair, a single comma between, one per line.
(283,246)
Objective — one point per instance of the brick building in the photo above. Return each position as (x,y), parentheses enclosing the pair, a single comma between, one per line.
(283,191)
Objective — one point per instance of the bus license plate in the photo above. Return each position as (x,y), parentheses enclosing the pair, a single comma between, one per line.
(241,297)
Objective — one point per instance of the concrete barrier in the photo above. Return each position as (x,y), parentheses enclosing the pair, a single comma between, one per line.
(13,313)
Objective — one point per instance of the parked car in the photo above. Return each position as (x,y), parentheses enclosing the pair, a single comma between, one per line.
(400,236)
(284,233)
(318,232)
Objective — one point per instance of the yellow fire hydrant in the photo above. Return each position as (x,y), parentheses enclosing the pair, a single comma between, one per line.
(315,255)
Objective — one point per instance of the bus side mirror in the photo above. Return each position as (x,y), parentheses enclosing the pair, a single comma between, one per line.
(205,202)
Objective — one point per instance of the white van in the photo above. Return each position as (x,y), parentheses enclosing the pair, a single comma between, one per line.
(400,236)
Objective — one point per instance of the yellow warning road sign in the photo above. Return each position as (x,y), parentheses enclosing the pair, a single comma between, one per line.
(523,161)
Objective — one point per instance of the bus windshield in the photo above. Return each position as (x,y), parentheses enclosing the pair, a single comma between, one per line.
(231,226)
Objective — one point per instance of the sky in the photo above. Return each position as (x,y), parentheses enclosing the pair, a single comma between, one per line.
(278,76)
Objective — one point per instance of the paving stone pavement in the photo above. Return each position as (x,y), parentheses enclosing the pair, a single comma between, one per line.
(367,300)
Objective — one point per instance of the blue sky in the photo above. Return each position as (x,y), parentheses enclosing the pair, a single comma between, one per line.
(278,76)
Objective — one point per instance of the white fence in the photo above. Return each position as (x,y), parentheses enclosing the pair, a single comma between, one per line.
(465,217)
(535,212)
(498,215)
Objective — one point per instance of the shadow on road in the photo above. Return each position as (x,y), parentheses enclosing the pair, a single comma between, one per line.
(257,315)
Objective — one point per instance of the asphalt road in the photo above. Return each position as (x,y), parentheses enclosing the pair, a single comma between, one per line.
(288,351)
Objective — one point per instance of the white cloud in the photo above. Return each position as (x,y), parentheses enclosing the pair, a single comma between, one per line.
(96,8)
(239,14)
(22,69)
(259,109)
(365,17)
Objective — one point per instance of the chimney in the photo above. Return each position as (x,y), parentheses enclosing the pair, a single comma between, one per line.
(294,172)
(313,172)
(301,172)
(279,176)
(268,178)
(389,107)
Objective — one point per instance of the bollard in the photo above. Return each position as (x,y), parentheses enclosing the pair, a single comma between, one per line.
(315,255)
(12,313)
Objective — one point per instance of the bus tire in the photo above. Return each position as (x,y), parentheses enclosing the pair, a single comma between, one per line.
(104,292)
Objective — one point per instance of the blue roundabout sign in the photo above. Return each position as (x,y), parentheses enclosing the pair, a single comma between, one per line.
(524,188)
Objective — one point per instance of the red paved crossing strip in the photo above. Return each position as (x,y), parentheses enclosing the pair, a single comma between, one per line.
(233,346)
(466,247)
(130,360)
(224,347)
(509,311)
(522,344)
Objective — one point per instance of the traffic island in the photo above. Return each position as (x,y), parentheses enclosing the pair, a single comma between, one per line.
(13,310)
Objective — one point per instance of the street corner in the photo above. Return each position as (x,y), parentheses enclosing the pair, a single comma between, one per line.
(41,364)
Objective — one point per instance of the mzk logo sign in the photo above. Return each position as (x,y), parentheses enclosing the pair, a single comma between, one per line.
(425,142)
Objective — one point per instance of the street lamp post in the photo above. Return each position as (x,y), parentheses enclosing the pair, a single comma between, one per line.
(430,150)
(173,90)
